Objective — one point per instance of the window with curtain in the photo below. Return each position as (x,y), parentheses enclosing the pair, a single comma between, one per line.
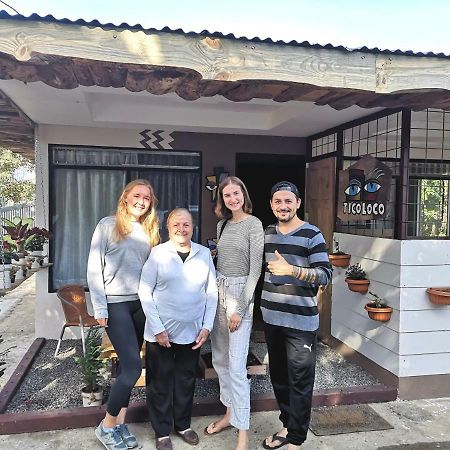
(86,183)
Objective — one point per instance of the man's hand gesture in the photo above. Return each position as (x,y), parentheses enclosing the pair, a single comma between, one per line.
(279,266)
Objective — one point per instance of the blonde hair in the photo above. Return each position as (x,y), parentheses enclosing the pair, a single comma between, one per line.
(176,211)
(221,211)
(149,220)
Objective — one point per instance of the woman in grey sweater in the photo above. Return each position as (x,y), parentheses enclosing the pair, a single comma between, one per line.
(120,246)
(240,251)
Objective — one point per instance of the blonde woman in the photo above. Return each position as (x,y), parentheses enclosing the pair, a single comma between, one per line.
(120,246)
(239,263)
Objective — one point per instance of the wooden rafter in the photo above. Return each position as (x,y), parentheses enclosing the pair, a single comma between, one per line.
(16,128)
(66,56)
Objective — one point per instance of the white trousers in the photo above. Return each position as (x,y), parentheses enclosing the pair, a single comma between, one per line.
(230,350)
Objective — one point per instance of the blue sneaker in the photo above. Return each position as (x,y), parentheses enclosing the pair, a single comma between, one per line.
(128,438)
(112,440)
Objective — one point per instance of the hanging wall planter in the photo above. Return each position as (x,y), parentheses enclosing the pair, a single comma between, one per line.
(340,259)
(380,313)
(378,309)
(361,286)
(356,279)
(439,295)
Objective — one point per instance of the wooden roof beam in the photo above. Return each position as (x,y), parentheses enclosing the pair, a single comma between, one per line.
(224,59)
(213,59)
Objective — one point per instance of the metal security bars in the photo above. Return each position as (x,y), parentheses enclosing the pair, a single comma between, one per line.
(416,147)
(429,175)
(324,145)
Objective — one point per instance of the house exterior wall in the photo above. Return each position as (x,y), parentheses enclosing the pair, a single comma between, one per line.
(415,342)
(218,150)
(349,321)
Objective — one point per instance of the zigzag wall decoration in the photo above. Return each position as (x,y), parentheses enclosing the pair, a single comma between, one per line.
(157,139)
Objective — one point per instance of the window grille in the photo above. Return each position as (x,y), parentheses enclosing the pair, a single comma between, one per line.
(429,174)
(324,145)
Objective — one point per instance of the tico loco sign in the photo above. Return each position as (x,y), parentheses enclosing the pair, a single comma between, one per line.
(364,190)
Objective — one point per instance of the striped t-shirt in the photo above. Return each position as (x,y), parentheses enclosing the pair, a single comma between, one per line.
(287,301)
(239,254)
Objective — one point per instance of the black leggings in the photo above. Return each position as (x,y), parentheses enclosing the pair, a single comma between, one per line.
(125,329)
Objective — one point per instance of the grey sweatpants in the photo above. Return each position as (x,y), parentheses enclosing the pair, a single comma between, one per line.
(230,350)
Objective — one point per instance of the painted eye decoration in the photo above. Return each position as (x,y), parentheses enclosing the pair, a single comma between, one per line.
(353,189)
(372,186)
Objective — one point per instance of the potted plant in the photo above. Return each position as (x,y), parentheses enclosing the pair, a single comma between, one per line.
(356,278)
(35,246)
(91,367)
(439,295)
(339,258)
(18,235)
(40,236)
(377,309)
(7,256)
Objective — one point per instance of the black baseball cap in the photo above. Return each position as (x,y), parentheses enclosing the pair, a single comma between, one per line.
(284,186)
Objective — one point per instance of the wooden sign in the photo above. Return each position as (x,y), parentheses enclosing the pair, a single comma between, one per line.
(364,190)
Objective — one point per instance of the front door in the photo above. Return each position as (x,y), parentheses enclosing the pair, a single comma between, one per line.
(320,204)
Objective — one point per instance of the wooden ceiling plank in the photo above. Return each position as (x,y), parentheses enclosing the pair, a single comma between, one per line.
(227,59)
(25,118)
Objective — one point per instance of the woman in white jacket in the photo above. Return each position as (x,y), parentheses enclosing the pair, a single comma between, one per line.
(178,293)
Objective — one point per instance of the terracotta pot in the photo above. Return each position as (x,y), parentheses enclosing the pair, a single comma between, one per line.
(361,286)
(439,295)
(380,314)
(339,260)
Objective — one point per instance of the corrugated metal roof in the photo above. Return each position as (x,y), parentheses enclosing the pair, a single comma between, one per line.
(216,34)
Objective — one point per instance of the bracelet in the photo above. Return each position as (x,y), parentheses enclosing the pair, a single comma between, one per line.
(296,271)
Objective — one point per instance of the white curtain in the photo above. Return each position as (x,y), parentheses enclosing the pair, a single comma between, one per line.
(81,198)
(83,195)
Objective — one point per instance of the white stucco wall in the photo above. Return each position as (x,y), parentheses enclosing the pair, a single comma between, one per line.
(217,150)
(416,341)
(48,312)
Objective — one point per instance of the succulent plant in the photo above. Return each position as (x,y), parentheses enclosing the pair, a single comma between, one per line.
(355,272)
(377,301)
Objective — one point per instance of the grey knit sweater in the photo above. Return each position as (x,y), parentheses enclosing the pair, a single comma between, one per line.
(239,253)
(114,268)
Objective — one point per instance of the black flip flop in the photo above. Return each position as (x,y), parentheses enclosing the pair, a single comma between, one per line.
(275,437)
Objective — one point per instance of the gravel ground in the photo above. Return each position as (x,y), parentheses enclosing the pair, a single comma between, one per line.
(54,383)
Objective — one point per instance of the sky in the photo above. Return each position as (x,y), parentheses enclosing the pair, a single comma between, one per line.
(420,26)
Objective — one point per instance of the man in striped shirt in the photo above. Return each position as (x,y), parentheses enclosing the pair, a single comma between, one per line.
(297,264)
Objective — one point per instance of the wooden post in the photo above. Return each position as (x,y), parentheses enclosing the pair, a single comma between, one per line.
(401,200)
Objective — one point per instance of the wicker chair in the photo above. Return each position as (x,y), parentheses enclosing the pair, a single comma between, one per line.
(73,302)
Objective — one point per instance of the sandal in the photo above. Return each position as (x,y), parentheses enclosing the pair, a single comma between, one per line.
(276,438)
(214,426)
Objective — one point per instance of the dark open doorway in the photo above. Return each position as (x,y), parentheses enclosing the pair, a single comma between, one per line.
(260,172)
